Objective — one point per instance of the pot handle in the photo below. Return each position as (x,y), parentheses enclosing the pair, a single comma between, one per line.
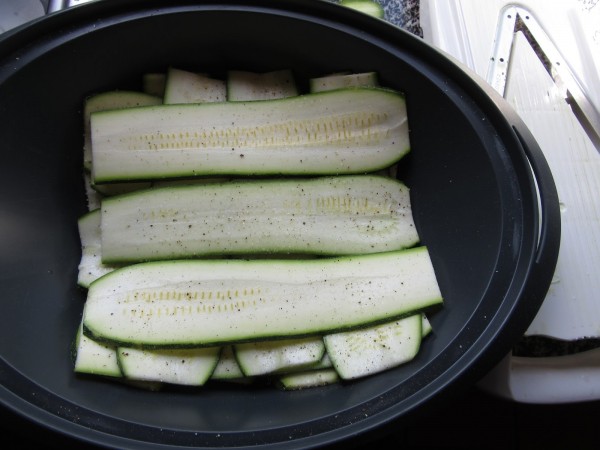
(550,220)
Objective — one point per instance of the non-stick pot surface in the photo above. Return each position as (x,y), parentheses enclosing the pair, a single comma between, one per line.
(470,173)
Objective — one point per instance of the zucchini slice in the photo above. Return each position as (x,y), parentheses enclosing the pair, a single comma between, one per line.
(426,326)
(243,85)
(182,86)
(93,357)
(368,7)
(307,379)
(189,367)
(343,80)
(335,132)
(266,357)
(326,215)
(110,100)
(91,266)
(227,368)
(367,351)
(193,303)
(93,197)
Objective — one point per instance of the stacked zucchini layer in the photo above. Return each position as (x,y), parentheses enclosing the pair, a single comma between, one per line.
(240,230)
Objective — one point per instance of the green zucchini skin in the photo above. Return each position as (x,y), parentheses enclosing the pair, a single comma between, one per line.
(343,131)
(196,303)
(325,215)
(368,7)
(227,367)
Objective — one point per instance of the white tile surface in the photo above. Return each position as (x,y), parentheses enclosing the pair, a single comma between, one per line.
(467,30)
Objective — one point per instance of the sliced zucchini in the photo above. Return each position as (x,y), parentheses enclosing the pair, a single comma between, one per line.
(260,358)
(325,362)
(91,266)
(93,197)
(111,189)
(109,101)
(183,86)
(191,303)
(343,81)
(359,353)
(189,367)
(369,7)
(326,215)
(243,85)
(346,80)
(307,379)
(427,329)
(94,357)
(227,368)
(267,357)
(188,181)
(336,132)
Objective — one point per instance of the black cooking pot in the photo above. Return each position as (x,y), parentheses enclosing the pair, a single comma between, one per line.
(483,197)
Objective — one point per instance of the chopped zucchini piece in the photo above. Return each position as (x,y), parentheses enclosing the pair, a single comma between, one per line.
(266,357)
(309,378)
(244,85)
(90,266)
(183,86)
(189,367)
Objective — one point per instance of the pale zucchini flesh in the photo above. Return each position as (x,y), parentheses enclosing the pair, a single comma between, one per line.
(267,357)
(343,80)
(426,326)
(227,367)
(336,132)
(207,303)
(308,379)
(326,215)
(243,85)
(93,197)
(90,266)
(110,100)
(183,86)
(369,7)
(346,80)
(359,353)
(188,367)
(95,358)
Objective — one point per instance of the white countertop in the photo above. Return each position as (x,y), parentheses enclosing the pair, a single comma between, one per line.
(493,39)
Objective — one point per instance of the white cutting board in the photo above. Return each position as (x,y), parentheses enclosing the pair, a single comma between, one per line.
(467,30)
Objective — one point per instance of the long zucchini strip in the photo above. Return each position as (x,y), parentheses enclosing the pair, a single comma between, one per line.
(343,131)
(326,215)
(189,303)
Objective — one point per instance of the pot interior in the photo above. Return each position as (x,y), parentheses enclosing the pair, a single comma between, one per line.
(470,191)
